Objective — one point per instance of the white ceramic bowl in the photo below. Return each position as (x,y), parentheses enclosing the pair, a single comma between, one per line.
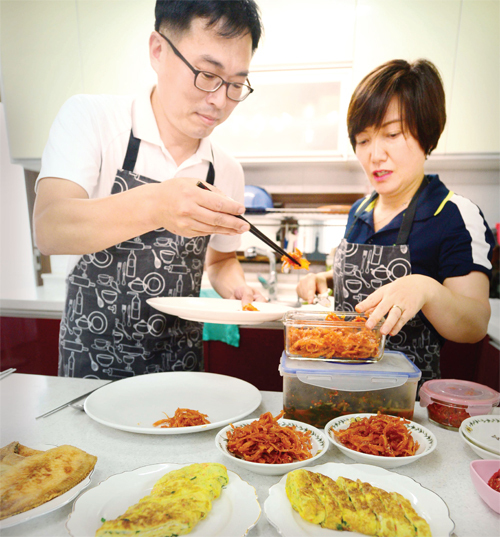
(478,450)
(318,440)
(480,473)
(484,431)
(423,436)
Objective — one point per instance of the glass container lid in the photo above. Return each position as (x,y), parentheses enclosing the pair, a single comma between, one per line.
(474,396)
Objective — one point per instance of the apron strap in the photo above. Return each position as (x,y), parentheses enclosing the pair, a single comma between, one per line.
(409,215)
(360,210)
(132,152)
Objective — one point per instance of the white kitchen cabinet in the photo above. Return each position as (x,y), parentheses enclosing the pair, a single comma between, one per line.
(293,115)
(474,100)
(41,68)
(114,39)
(298,32)
(407,29)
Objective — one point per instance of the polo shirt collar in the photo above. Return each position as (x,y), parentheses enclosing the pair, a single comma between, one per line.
(427,204)
(145,128)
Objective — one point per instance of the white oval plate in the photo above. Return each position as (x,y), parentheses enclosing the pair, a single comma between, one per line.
(478,450)
(428,504)
(49,506)
(216,310)
(234,513)
(423,436)
(318,440)
(484,431)
(134,404)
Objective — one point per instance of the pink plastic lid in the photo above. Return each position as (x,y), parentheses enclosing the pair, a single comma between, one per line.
(476,397)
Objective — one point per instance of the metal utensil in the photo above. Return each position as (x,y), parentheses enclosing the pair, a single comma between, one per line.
(54,410)
(258,233)
(323,299)
(7,372)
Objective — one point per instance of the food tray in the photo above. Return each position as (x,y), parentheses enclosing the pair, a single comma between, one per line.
(338,336)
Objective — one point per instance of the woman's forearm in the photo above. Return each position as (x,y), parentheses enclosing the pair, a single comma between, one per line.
(456,316)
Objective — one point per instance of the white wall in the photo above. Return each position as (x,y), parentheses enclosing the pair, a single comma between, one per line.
(17,276)
(476,179)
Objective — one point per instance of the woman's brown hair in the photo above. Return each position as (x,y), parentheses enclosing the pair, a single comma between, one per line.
(419,90)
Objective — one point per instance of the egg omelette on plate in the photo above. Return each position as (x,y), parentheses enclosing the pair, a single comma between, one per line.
(346,505)
(177,502)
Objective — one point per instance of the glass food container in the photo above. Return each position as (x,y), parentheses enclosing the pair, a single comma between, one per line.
(315,392)
(338,336)
(449,402)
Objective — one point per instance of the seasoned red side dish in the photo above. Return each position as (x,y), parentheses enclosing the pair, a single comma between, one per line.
(494,481)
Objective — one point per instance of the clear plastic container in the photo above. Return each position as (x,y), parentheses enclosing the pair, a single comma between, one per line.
(449,401)
(315,392)
(338,336)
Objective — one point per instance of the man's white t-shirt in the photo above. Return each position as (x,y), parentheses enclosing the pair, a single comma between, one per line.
(88,142)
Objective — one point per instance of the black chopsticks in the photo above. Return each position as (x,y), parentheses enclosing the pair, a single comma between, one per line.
(259,234)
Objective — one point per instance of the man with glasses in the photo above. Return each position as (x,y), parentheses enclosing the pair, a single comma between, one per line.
(118,191)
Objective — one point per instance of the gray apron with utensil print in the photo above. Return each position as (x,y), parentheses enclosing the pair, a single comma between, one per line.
(360,269)
(108,330)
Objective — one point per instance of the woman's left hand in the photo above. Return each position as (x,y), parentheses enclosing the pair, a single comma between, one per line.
(247,295)
(398,301)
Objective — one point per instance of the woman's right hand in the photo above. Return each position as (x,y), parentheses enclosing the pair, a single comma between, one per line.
(312,284)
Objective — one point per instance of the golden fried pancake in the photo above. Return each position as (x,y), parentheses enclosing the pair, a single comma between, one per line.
(300,491)
(25,451)
(387,525)
(333,512)
(418,522)
(178,501)
(17,449)
(367,521)
(39,478)
(396,513)
(10,460)
(211,476)
(347,505)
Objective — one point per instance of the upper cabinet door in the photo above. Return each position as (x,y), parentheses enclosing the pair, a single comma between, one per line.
(474,111)
(407,29)
(41,68)
(298,32)
(114,40)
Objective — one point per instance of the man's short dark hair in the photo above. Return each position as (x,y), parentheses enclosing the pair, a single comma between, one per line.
(419,91)
(236,17)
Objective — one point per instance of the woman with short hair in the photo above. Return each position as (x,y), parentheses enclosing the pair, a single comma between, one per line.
(413,252)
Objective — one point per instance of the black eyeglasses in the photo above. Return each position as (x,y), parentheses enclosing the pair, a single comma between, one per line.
(205,81)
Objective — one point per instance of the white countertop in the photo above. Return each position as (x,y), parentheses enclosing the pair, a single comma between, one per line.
(23,397)
(48,302)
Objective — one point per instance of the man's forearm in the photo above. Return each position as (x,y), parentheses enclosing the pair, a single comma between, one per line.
(79,226)
(226,275)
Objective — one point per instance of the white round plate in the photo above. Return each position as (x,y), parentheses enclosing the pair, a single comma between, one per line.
(428,504)
(423,436)
(318,440)
(218,311)
(484,431)
(49,506)
(134,404)
(483,453)
(234,513)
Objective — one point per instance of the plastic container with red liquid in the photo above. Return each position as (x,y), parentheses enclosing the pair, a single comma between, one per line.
(449,401)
